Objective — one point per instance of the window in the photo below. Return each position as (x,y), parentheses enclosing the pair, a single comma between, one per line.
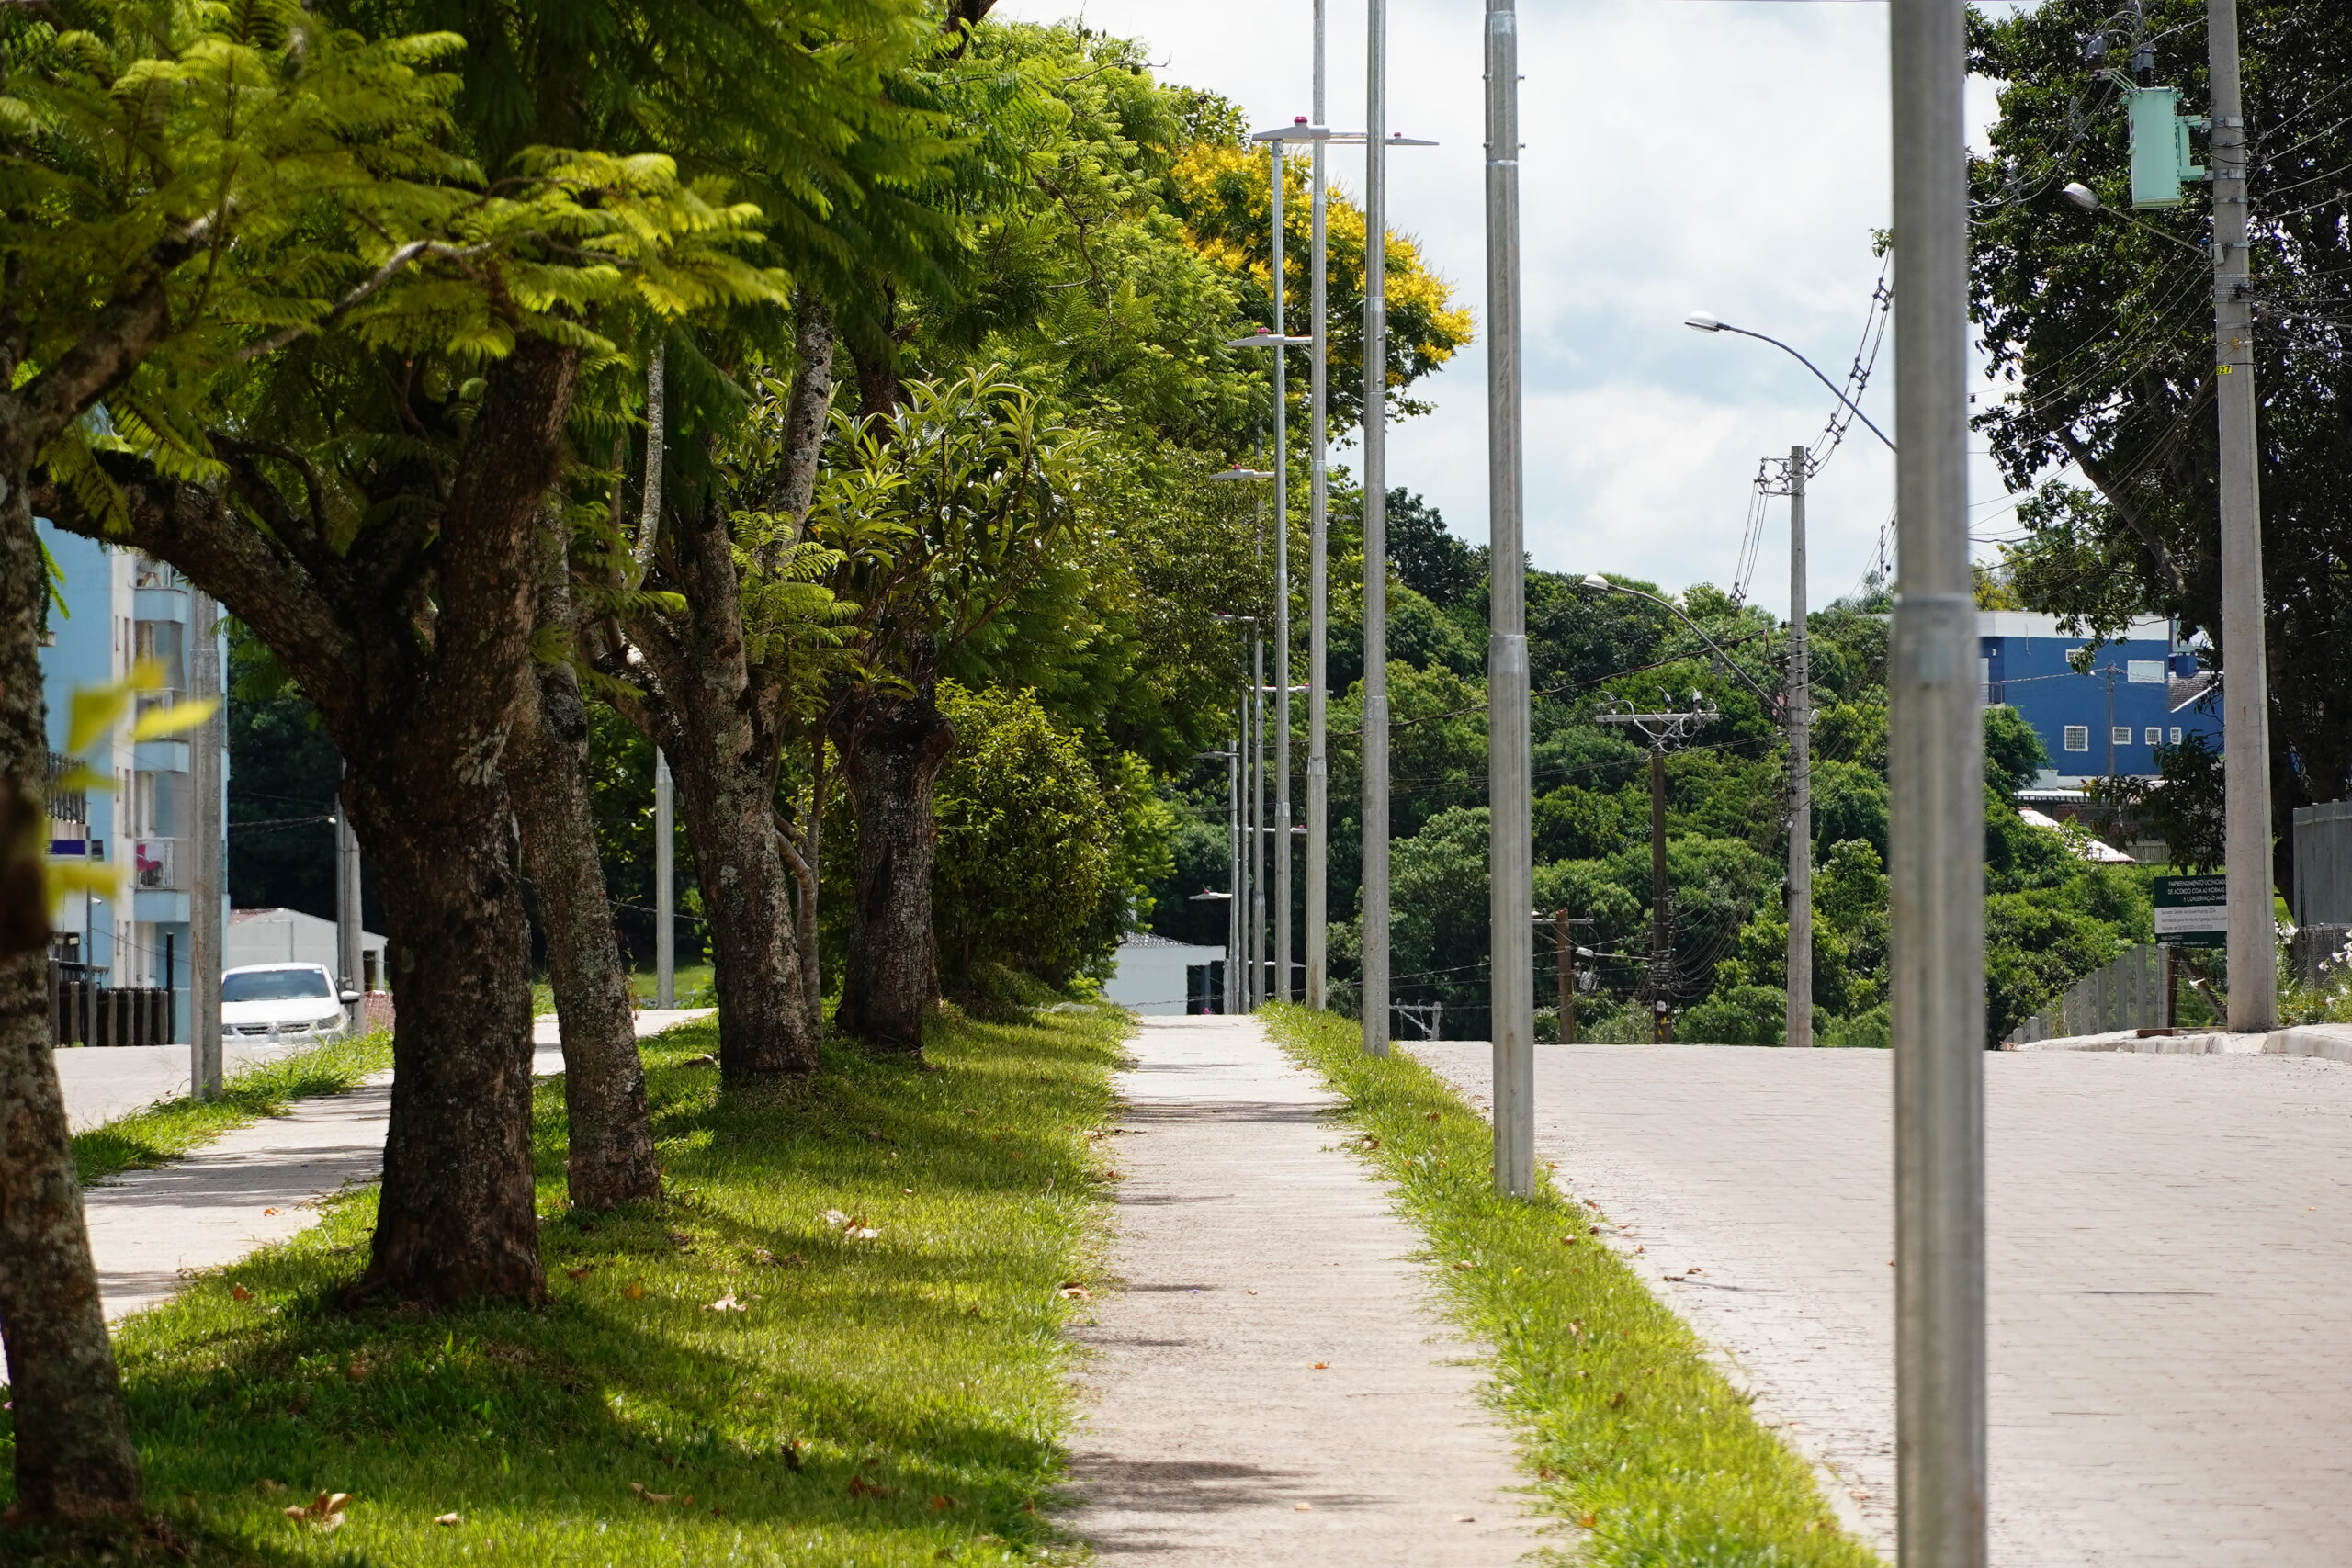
(2144,672)
(274,984)
(2120,734)
(2156,736)
(2078,737)
(2176,735)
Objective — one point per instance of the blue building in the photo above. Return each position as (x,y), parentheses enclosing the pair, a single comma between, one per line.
(2141,691)
(120,608)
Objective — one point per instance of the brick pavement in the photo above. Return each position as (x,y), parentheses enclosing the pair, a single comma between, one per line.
(2170,1265)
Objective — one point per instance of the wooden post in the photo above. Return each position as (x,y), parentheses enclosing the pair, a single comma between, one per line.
(1566,952)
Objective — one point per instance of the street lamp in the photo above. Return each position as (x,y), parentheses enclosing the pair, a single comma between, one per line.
(1701,321)
(2082,195)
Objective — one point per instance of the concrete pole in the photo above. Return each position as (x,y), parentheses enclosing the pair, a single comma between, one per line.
(1937,821)
(1509,812)
(665,887)
(1799,722)
(1564,952)
(208,879)
(1319,766)
(2246,688)
(1231,1000)
(1375,532)
(347,922)
(1281,846)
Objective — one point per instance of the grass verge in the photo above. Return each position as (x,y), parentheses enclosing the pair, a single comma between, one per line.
(163,1133)
(726,1377)
(1632,1435)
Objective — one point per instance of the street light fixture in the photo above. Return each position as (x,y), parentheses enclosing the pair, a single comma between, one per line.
(1702,322)
(2082,195)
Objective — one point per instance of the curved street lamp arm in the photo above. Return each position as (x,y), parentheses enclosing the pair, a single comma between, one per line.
(1834,390)
(1771,703)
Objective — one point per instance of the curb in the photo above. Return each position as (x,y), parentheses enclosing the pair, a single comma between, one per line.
(2327,1041)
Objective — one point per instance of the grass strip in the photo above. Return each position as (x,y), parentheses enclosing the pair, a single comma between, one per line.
(726,1377)
(165,1132)
(1632,1435)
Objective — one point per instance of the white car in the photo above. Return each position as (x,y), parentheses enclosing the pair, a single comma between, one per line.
(293,1002)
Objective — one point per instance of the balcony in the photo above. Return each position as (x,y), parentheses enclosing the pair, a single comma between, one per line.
(155,865)
(66,806)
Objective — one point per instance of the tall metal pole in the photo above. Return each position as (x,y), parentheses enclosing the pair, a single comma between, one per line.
(1661,946)
(1256,819)
(1375,532)
(665,887)
(347,926)
(206,955)
(1319,766)
(1937,821)
(1510,842)
(1799,722)
(2245,690)
(1231,1000)
(1281,847)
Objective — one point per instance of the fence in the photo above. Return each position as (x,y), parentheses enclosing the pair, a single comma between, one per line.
(2127,993)
(82,1013)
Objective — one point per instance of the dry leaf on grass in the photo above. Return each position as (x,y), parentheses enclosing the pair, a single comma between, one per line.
(860,1487)
(699,1062)
(638,1488)
(324,1512)
(582,1273)
(1075,1293)
(942,1503)
(634,1289)
(726,1304)
(447,1519)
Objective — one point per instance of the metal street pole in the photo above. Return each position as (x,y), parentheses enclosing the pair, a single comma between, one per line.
(1661,947)
(206,954)
(2246,689)
(1281,850)
(1375,532)
(1936,827)
(665,887)
(347,910)
(1231,1000)
(1319,680)
(1256,819)
(1564,952)
(1511,830)
(1800,721)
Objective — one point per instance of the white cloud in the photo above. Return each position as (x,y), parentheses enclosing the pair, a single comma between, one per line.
(1678,156)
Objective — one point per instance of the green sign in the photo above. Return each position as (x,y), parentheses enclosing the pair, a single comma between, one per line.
(2193,911)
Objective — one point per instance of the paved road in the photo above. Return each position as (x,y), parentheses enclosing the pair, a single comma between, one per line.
(1249,1249)
(255,1186)
(105,1084)
(2170,1261)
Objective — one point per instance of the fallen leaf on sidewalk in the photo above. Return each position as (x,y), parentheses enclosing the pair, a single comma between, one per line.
(1303,1507)
(269,1211)
(1075,1293)
(1320,1367)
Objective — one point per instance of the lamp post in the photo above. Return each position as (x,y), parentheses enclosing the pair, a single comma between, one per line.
(1250,858)
(1511,844)
(1799,705)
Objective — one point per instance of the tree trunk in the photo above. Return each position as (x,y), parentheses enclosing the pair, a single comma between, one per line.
(456,1221)
(73,1456)
(892,750)
(610,1130)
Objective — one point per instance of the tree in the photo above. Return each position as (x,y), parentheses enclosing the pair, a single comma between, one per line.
(951,520)
(146,154)
(2105,333)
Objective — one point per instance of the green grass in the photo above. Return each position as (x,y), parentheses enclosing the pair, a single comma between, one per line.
(694,985)
(163,1133)
(1630,1435)
(892,1401)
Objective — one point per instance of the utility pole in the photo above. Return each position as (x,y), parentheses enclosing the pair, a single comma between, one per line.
(665,887)
(1230,999)
(1375,531)
(1800,721)
(348,910)
(1564,952)
(206,956)
(1936,819)
(2246,688)
(1257,818)
(1659,729)
(1510,811)
(1319,498)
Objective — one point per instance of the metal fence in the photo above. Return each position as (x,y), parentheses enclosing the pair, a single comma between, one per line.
(2127,993)
(84,1012)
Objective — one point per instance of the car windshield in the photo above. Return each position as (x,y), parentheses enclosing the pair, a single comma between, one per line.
(274,984)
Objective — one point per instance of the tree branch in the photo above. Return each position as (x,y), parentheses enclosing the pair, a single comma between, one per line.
(391,268)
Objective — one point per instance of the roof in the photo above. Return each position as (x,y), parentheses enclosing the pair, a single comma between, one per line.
(2082,844)
(1150,939)
(2032,623)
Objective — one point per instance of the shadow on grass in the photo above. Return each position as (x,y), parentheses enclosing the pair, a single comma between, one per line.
(723,1376)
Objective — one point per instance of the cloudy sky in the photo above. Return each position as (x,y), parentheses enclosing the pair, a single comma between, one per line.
(1727,156)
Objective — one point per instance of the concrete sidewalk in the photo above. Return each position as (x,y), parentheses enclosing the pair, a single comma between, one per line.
(2169,1254)
(107,1083)
(1271,1382)
(258,1185)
